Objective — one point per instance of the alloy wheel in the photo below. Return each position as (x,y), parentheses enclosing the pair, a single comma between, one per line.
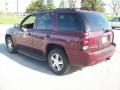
(56,62)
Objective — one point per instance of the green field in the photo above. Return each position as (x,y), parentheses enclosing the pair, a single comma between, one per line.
(109,18)
(10,19)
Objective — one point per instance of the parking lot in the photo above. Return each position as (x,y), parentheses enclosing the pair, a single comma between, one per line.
(19,72)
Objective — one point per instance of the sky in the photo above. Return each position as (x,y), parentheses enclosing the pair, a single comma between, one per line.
(24,3)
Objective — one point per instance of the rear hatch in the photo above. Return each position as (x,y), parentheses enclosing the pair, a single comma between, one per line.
(98,34)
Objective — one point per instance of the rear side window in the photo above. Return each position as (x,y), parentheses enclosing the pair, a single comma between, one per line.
(115,20)
(68,22)
(95,21)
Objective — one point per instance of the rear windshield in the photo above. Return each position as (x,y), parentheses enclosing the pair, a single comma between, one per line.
(95,21)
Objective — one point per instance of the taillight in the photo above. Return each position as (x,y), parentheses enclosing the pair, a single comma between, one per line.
(85,42)
(90,41)
(112,37)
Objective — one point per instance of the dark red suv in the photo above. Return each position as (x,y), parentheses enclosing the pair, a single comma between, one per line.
(63,37)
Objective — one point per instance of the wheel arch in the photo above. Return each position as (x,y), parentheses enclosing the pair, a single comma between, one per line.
(49,47)
(6,36)
(9,35)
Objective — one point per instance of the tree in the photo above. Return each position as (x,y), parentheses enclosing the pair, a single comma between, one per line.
(62,4)
(71,3)
(115,5)
(82,1)
(119,8)
(50,5)
(94,5)
(36,5)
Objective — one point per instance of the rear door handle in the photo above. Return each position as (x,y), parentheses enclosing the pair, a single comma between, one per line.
(106,31)
(29,33)
(47,35)
(50,36)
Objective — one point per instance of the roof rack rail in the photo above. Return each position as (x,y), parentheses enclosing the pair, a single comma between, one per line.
(73,9)
(65,8)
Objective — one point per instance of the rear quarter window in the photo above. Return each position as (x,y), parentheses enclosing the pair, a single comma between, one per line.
(69,22)
(114,20)
(95,21)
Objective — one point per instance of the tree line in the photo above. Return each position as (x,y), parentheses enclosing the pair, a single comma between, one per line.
(115,5)
(93,5)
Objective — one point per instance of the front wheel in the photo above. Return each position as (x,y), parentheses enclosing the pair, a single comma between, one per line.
(10,45)
(58,62)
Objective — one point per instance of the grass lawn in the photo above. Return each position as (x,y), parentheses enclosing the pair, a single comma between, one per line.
(10,19)
(109,18)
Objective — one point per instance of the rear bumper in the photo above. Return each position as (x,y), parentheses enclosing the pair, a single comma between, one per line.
(77,57)
(98,56)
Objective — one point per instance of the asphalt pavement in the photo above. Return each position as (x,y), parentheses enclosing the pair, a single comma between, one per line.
(19,72)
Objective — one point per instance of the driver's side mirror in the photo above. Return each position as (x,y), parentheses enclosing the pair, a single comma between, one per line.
(24,29)
(16,25)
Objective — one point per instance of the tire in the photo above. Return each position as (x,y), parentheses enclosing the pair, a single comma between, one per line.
(10,45)
(107,59)
(113,27)
(58,62)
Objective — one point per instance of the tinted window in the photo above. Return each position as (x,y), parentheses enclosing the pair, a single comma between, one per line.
(95,21)
(44,22)
(68,22)
(119,20)
(115,20)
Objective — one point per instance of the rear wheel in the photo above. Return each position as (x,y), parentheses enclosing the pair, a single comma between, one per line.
(58,62)
(113,27)
(107,59)
(10,45)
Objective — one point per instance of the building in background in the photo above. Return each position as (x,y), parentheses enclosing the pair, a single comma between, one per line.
(13,6)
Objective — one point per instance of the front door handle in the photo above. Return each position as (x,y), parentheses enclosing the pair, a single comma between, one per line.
(28,33)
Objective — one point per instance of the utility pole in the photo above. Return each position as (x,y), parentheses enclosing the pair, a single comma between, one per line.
(6,7)
(17,7)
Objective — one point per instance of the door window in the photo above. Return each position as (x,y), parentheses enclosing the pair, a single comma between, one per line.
(29,22)
(44,22)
